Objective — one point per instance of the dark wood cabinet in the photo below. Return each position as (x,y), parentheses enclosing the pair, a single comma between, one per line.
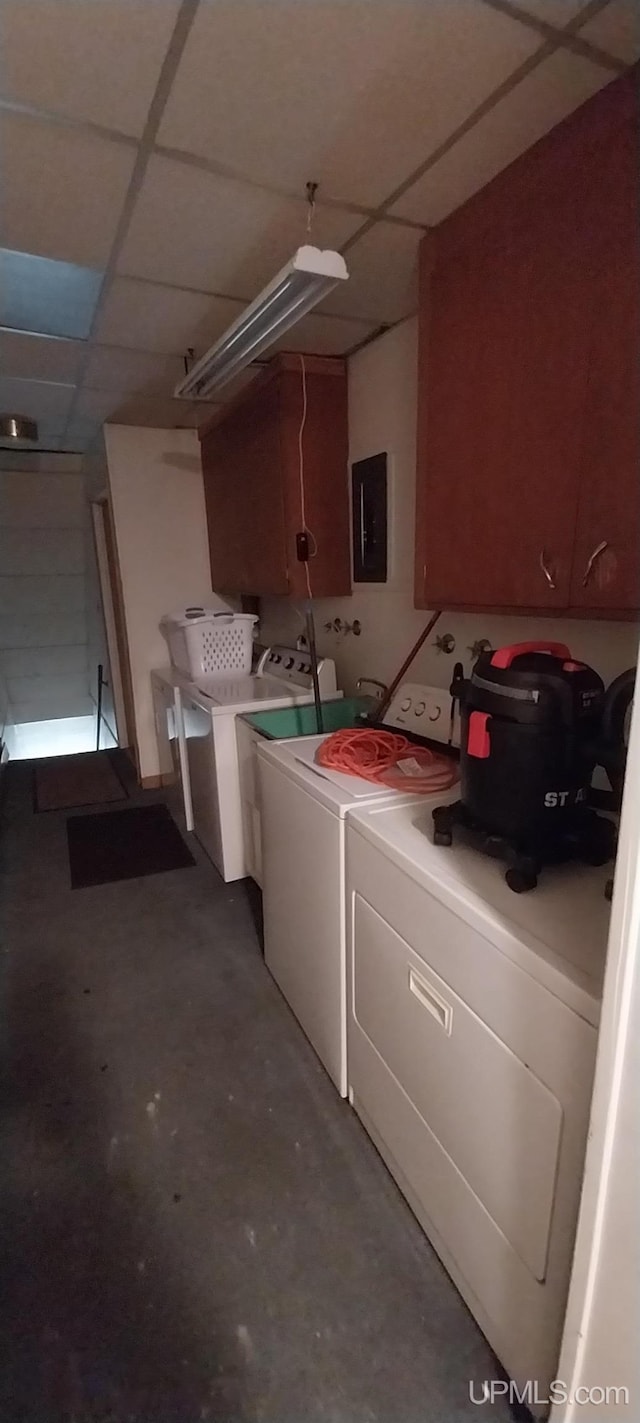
(528,449)
(282,441)
(606,560)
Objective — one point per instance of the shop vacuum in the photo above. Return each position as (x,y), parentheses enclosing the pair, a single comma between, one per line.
(534,725)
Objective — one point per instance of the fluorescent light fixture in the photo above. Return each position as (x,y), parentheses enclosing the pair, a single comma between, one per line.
(300,285)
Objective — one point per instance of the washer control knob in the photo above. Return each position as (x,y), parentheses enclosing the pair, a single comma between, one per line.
(420,708)
(404,706)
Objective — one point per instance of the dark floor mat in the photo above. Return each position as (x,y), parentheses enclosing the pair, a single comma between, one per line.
(124,844)
(64,782)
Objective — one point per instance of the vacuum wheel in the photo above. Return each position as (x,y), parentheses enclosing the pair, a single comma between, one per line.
(442,837)
(520,879)
(599,845)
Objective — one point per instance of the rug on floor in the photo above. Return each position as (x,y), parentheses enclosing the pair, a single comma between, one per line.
(67,782)
(124,844)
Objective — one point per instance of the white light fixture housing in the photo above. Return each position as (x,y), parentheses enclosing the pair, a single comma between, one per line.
(300,285)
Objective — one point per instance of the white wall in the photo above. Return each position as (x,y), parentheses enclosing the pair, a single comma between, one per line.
(382,416)
(43,632)
(157,497)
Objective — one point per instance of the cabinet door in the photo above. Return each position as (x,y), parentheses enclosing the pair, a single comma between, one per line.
(506,380)
(242,469)
(606,565)
(505,386)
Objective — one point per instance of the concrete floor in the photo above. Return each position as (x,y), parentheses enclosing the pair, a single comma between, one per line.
(195,1226)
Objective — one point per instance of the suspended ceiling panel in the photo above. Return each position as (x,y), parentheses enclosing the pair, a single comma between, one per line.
(383,268)
(111,368)
(89,60)
(152,317)
(155,153)
(616,30)
(540,101)
(40,357)
(553,12)
(63,189)
(350,95)
(198,229)
(45,296)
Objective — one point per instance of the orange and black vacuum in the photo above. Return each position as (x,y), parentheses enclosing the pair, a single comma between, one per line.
(531,735)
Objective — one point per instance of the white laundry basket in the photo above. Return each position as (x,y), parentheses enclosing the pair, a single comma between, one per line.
(205,643)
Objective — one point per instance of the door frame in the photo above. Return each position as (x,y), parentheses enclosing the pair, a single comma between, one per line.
(603,1275)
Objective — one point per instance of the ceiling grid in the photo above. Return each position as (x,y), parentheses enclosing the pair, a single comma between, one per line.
(219,113)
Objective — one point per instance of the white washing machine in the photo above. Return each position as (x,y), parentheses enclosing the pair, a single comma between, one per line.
(303,810)
(471,1042)
(209,712)
(166,687)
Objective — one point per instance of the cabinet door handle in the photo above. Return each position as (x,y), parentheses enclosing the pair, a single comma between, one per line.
(600,548)
(427,996)
(545,568)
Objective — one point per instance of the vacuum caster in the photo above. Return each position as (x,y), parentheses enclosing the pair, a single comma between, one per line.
(599,845)
(442,825)
(521,878)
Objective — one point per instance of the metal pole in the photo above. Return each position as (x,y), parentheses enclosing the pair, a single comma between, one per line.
(99,706)
(311,639)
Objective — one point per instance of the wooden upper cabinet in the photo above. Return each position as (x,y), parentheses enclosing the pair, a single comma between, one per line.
(255,480)
(526,372)
(606,562)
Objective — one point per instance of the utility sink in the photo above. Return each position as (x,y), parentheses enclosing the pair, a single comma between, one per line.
(284,722)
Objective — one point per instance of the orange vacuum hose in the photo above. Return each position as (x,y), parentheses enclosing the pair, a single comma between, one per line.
(374,755)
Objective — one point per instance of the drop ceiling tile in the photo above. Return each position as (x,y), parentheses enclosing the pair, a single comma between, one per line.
(197,229)
(38,295)
(41,400)
(39,357)
(63,189)
(98,60)
(554,12)
(233,387)
(109,368)
(80,435)
(540,101)
(383,275)
(154,318)
(616,29)
(352,95)
(319,335)
(98,406)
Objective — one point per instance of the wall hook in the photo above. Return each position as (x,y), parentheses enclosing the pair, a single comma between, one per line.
(445,642)
(477,648)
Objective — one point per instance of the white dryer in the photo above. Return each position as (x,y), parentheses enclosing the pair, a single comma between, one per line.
(471,1042)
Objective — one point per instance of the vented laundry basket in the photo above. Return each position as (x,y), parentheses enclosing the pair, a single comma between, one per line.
(205,643)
